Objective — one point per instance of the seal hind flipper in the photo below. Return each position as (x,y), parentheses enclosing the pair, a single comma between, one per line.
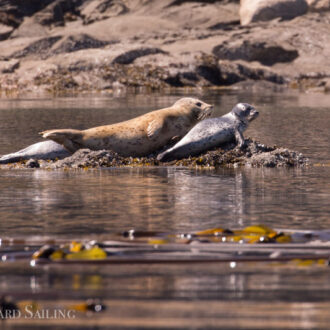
(69,138)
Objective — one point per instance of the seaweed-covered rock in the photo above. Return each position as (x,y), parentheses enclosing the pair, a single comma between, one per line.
(32,163)
(85,158)
(254,155)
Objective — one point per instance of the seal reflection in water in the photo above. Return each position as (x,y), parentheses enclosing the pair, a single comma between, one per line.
(139,136)
(213,132)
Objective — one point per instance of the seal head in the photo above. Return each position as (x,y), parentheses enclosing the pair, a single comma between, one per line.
(198,108)
(245,112)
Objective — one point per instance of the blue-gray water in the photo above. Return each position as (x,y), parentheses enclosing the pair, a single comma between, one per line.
(95,204)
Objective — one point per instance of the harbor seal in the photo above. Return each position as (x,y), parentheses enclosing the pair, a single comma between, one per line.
(139,136)
(40,150)
(213,132)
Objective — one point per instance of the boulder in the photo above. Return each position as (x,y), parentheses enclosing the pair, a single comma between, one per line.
(265,10)
(265,52)
(318,5)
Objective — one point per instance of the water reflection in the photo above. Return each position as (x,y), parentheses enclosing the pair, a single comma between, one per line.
(86,203)
(248,296)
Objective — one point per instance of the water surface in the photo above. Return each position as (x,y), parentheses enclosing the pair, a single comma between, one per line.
(101,202)
(98,203)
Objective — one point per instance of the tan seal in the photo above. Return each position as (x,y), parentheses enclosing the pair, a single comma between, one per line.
(139,136)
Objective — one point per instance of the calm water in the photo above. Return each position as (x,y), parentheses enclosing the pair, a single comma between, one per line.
(107,201)
(95,204)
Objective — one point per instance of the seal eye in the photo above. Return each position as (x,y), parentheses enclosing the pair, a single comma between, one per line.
(242,107)
(199,104)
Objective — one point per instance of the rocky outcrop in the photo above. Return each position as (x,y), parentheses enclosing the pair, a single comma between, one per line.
(100,45)
(254,155)
(265,10)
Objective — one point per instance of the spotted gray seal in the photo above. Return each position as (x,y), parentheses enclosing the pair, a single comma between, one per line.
(213,132)
(139,136)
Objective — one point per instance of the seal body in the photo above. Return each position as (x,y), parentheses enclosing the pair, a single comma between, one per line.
(213,132)
(139,136)
(40,150)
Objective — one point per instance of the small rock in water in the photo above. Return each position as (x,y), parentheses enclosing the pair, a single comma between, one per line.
(32,163)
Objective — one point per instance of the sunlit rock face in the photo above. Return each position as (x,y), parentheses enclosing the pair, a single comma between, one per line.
(318,5)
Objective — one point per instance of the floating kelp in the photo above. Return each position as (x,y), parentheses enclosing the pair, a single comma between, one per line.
(251,234)
(252,243)
(254,155)
(76,251)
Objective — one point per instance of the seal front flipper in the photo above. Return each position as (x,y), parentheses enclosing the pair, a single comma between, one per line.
(239,138)
(69,138)
(154,128)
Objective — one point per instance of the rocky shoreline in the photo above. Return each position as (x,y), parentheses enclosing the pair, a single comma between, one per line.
(254,154)
(87,45)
